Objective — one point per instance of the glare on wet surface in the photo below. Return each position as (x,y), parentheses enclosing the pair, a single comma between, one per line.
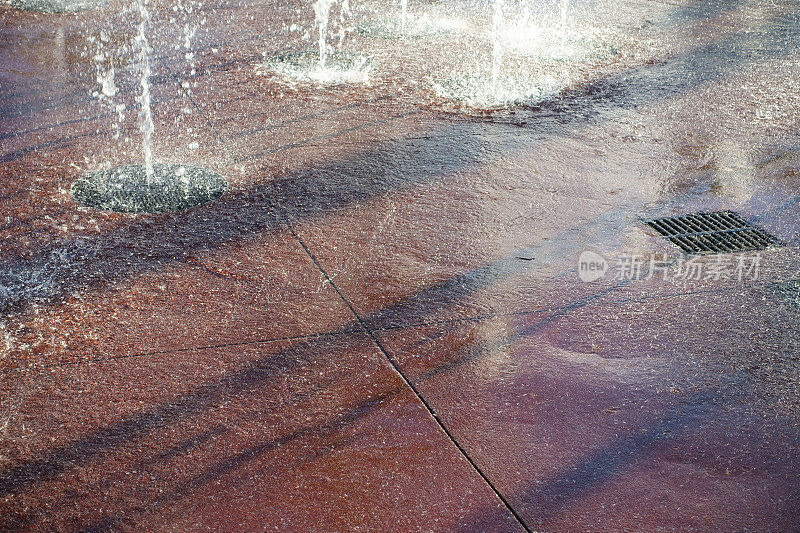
(383,322)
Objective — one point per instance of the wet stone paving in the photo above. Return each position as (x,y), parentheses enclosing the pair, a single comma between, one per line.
(402,281)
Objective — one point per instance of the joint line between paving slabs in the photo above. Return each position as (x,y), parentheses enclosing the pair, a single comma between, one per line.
(407,382)
(366,328)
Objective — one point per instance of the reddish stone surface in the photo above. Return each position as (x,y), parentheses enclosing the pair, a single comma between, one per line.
(305,434)
(622,416)
(232,367)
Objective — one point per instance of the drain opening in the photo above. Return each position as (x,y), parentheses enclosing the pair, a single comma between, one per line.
(126,189)
(718,232)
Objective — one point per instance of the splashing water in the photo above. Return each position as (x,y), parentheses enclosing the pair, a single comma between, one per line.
(328,65)
(105,77)
(513,82)
(410,26)
(189,31)
(475,91)
(403,16)
(564,7)
(145,114)
(303,67)
(553,41)
(106,81)
(497,44)
(322,11)
(344,13)
(149,187)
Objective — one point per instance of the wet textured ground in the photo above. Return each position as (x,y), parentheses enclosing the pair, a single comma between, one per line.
(381,325)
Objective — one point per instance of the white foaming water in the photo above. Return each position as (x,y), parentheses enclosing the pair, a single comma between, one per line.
(304,67)
(564,7)
(477,92)
(552,41)
(403,16)
(107,85)
(145,113)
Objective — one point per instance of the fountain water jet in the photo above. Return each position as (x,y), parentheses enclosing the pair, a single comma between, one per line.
(325,66)
(145,113)
(105,77)
(344,13)
(406,25)
(514,79)
(147,188)
(322,13)
(558,40)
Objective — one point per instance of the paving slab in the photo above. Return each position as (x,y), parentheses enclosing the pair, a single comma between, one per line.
(318,432)
(672,414)
(235,366)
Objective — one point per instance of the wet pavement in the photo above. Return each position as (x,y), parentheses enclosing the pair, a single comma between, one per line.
(382,325)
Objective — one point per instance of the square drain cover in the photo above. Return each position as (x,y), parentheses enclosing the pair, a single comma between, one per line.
(718,232)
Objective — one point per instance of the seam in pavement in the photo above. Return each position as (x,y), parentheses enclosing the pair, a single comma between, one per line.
(361,322)
(358,318)
(407,382)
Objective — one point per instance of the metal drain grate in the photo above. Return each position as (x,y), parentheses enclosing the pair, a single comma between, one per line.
(718,232)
